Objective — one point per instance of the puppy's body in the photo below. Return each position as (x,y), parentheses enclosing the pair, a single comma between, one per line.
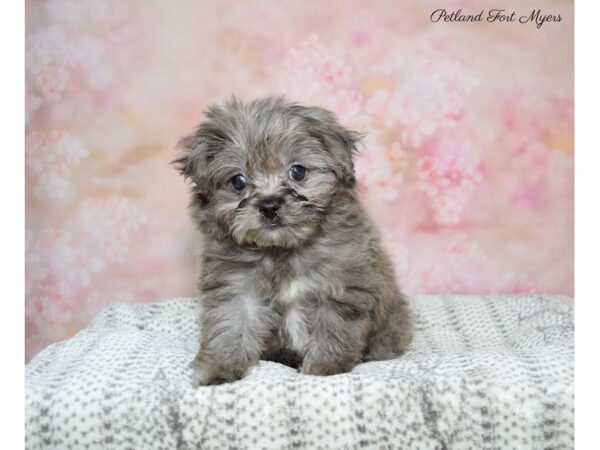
(292,269)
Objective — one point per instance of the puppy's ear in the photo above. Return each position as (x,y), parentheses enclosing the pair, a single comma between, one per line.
(337,140)
(199,149)
(189,161)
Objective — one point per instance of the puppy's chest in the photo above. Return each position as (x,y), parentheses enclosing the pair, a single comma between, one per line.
(292,295)
(284,283)
(297,312)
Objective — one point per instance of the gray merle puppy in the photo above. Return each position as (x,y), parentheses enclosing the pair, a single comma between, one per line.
(292,269)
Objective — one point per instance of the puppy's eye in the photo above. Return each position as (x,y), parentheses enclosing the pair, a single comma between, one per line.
(297,172)
(238,182)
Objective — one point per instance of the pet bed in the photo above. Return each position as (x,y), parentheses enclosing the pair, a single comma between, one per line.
(481,373)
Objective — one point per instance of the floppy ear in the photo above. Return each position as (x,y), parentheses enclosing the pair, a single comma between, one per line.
(199,149)
(337,140)
(189,161)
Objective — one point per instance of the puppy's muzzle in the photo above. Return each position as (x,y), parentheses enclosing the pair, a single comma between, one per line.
(269,207)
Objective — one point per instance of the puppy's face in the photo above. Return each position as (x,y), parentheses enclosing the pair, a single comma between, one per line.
(264,174)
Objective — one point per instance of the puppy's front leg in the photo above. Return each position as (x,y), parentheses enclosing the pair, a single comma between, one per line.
(338,339)
(234,332)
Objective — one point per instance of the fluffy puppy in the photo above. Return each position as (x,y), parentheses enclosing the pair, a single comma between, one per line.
(292,269)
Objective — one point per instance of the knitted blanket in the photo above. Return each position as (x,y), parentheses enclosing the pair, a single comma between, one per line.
(481,373)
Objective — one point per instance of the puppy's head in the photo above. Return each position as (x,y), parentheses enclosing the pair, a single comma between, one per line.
(264,174)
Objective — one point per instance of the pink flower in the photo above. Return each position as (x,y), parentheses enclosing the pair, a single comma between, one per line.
(71,149)
(334,73)
(62,265)
(377,106)
(52,186)
(427,97)
(47,151)
(48,47)
(48,157)
(109,224)
(310,73)
(72,264)
(345,104)
(51,81)
(449,183)
(375,167)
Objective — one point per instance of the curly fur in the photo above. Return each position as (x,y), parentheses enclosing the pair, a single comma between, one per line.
(311,287)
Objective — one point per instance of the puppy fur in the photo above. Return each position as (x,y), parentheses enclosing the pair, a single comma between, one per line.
(305,284)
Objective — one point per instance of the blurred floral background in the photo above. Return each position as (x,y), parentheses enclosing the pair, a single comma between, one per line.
(467,165)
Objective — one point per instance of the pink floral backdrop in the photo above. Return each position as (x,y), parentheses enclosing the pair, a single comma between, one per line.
(467,164)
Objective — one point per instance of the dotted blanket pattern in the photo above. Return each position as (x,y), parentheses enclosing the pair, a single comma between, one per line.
(481,373)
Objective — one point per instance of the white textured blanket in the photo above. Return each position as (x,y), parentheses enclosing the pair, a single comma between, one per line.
(481,373)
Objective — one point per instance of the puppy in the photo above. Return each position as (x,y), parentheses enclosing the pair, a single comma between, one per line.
(292,269)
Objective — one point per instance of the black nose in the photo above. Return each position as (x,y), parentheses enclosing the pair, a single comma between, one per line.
(269,207)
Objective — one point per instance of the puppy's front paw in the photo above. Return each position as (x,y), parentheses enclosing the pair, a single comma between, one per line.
(205,373)
(325,368)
